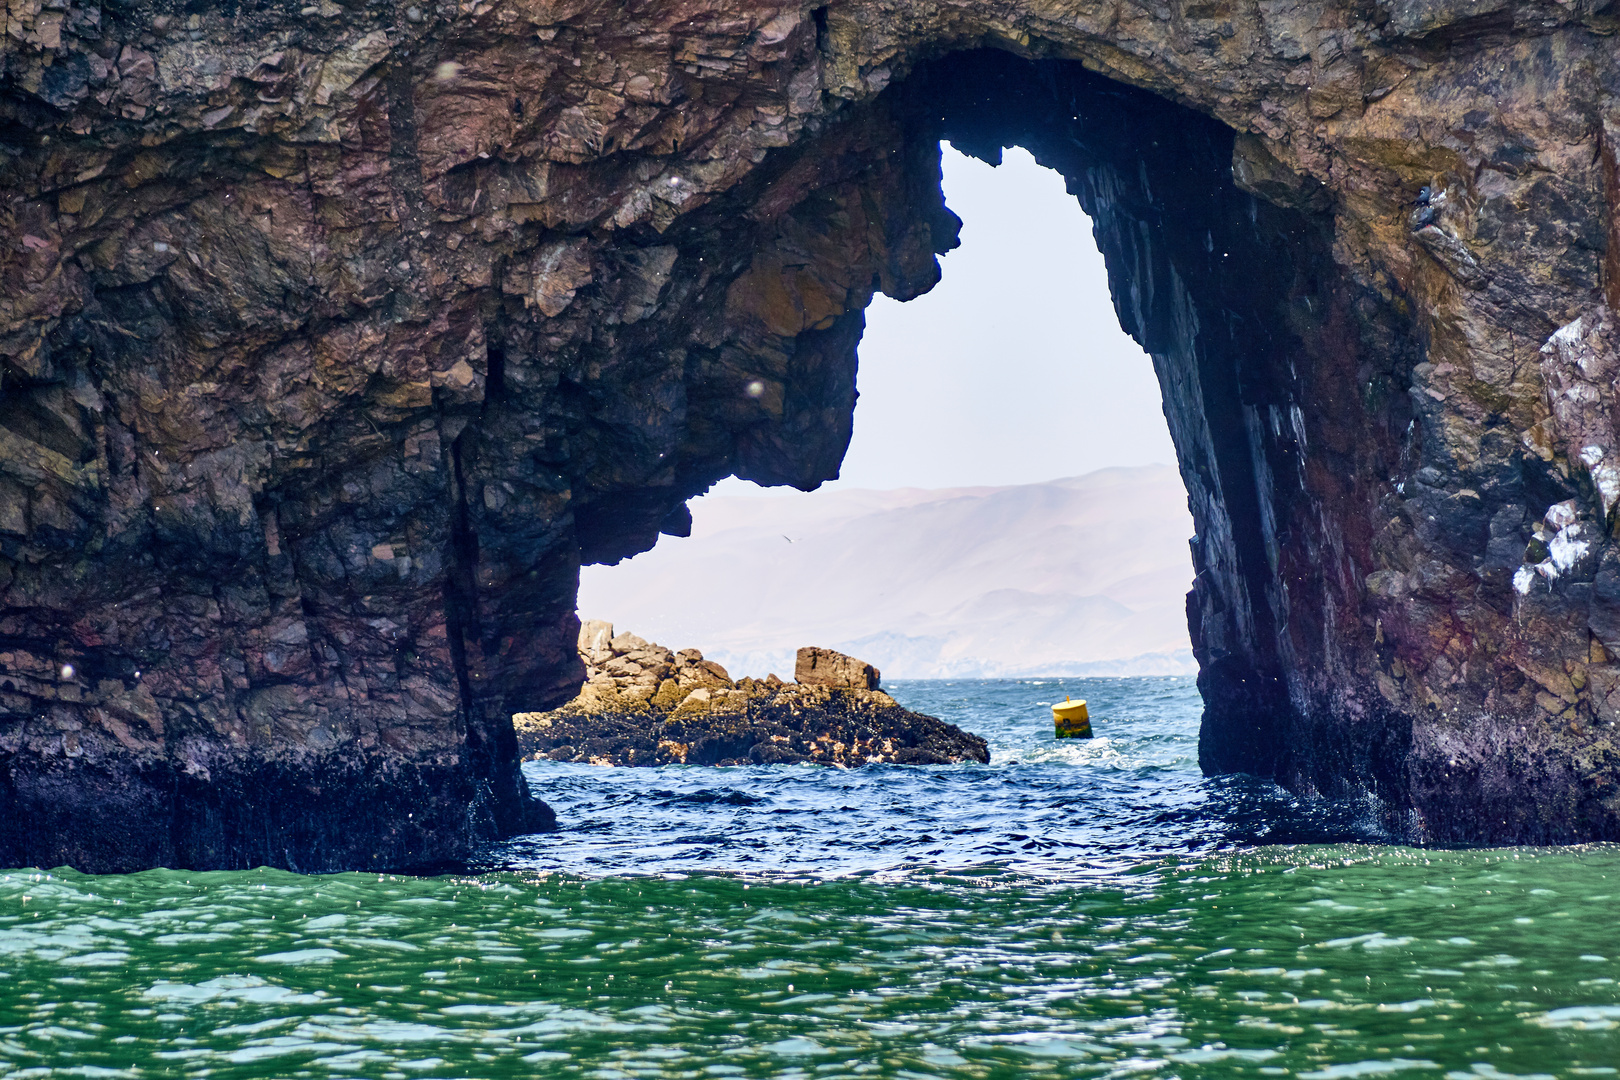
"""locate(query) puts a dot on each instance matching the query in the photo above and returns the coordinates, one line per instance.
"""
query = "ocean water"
(1075, 909)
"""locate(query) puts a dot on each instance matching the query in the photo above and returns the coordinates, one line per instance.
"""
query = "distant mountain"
(1082, 576)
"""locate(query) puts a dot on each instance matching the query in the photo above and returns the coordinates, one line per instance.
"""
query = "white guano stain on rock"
(1566, 550)
(1568, 334)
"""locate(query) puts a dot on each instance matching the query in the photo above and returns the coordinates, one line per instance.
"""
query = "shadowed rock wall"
(1250, 323)
(334, 338)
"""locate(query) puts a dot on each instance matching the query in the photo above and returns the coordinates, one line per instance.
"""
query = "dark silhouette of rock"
(644, 705)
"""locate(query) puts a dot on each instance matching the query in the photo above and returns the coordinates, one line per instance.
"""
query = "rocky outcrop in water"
(825, 667)
(334, 338)
(645, 705)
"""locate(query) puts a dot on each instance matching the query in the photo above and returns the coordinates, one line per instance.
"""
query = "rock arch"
(333, 343)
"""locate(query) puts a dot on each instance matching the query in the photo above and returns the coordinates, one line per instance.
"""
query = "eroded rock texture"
(335, 337)
(643, 704)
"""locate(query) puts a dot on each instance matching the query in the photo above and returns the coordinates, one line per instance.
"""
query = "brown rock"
(824, 667)
(595, 642)
(384, 323)
(707, 721)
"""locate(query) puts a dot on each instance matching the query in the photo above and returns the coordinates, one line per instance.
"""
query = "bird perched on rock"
(1424, 208)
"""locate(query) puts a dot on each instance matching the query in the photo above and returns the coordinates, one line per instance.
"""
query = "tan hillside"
(1086, 575)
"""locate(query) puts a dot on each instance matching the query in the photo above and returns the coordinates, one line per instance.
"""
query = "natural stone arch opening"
(1254, 335)
(1012, 379)
(325, 369)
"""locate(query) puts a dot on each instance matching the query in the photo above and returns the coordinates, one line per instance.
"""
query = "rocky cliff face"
(335, 337)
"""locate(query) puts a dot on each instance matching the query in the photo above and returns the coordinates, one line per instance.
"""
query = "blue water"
(1042, 805)
(1074, 909)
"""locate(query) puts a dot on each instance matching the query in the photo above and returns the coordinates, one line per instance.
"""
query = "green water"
(1312, 962)
(1075, 909)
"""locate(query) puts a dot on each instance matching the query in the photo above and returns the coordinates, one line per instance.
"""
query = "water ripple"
(1091, 915)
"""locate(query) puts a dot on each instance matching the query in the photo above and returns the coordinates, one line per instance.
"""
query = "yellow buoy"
(1070, 720)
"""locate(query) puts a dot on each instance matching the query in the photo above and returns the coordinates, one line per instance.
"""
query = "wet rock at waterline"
(645, 705)
(332, 344)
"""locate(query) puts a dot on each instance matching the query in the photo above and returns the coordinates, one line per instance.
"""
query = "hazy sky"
(1014, 368)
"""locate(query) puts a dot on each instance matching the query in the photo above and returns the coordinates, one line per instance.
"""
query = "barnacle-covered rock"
(710, 720)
